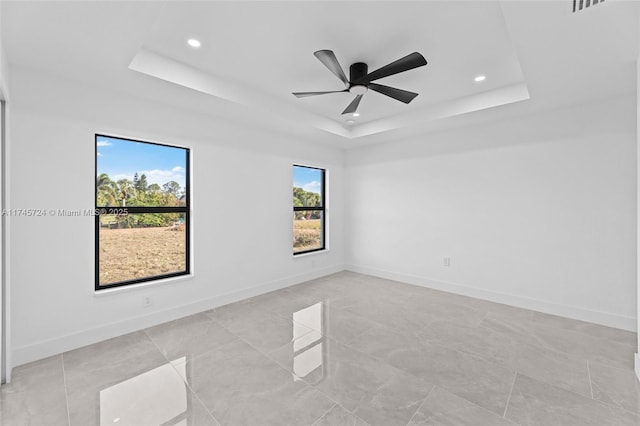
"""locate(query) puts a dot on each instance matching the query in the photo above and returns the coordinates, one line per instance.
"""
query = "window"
(142, 211)
(308, 209)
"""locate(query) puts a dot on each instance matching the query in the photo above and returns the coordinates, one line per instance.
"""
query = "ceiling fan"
(360, 80)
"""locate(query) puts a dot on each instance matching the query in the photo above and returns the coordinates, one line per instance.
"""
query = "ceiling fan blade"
(306, 94)
(353, 106)
(409, 62)
(399, 94)
(328, 58)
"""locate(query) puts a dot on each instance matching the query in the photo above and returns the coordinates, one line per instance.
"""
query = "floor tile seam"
(609, 340)
(66, 393)
(309, 385)
(619, 407)
(542, 328)
(315, 422)
(548, 347)
(585, 332)
(376, 322)
(246, 301)
(590, 381)
(421, 404)
(475, 405)
(385, 362)
(312, 385)
(356, 416)
(478, 357)
(395, 330)
(628, 368)
(173, 366)
(614, 405)
(311, 329)
(513, 384)
(217, 348)
(193, 392)
(595, 401)
(325, 334)
(471, 353)
(268, 355)
(127, 359)
(286, 318)
(155, 345)
(552, 350)
(357, 335)
(194, 357)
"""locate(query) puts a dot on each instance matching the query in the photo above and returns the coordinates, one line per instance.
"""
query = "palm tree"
(125, 191)
(106, 191)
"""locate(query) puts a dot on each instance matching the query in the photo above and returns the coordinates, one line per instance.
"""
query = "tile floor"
(347, 349)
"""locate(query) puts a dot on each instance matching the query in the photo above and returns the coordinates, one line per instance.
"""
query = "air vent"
(583, 4)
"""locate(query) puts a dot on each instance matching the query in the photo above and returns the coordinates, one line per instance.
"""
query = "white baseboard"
(573, 312)
(43, 349)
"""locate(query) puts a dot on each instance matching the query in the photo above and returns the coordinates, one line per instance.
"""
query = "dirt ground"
(306, 234)
(127, 254)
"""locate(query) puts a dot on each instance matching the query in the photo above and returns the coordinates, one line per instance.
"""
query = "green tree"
(106, 191)
(172, 188)
(302, 198)
(305, 198)
(141, 185)
(125, 191)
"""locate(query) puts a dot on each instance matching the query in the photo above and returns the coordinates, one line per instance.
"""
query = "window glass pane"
(131, 173)
(141, 245)
(307, 230)
(307, 187)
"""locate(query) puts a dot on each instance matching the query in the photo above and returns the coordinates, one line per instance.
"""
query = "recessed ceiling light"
(350, 122)
(356, 114)
(480, 78)
(194, 43)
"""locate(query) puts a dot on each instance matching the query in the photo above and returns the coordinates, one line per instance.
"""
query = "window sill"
(311, 253)
(143, 286)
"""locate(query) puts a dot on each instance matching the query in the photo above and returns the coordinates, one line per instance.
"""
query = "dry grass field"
(306, 234)
(127, 254)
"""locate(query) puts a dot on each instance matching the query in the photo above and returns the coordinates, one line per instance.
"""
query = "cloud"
(178, 169)
(157, 176)
(99, 155)
(103, 143)
(313, 186)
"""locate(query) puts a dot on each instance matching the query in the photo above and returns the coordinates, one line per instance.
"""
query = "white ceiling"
(254, 54)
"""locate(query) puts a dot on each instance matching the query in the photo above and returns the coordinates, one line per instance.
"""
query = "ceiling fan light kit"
(360, 80)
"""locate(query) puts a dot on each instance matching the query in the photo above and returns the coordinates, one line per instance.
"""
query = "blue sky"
(307, 179)
(121, 159)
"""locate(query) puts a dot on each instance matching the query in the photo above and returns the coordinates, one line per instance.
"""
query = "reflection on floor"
(347, 349)
(119, 403)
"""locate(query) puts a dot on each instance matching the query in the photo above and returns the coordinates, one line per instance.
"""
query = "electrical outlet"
(446, 261)
(146, 301)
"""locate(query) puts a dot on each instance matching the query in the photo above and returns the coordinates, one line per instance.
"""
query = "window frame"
(186, 209)
(322, 208)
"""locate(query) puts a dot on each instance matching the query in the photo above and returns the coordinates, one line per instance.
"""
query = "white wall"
(637, 356)
(5, 372)
(241, 196)
(538, 212)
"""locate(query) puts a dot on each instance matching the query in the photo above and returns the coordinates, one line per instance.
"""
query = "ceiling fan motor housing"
(357, 71)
